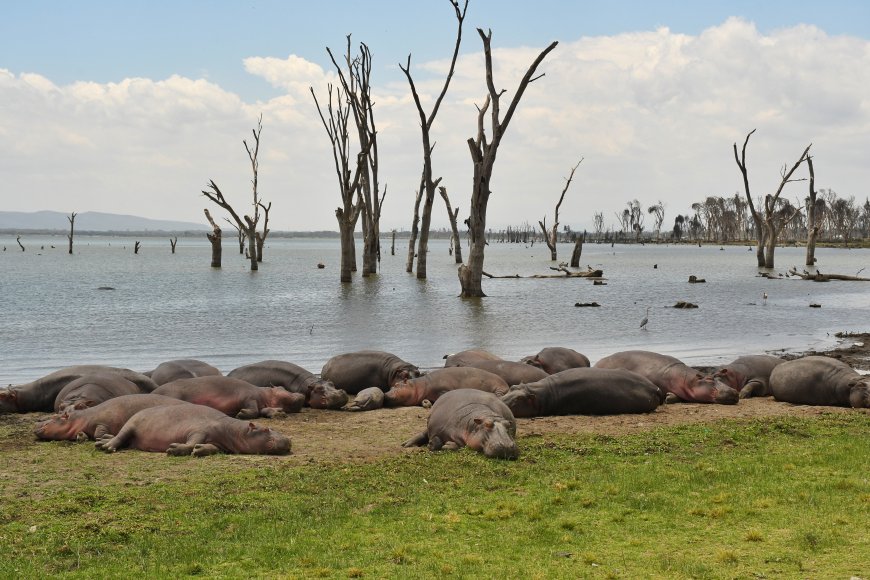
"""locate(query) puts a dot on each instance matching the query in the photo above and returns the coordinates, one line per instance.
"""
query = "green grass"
(773, 498)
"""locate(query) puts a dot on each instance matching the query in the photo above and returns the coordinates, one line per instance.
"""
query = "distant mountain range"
(91, 221)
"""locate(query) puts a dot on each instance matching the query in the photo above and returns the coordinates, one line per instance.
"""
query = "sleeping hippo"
(678, 381)
(93, 389)
(234, 397)
(355, 371)
(434, 384)
(319, 393)
(103, 419)
(820, 380)
(193, 430)
(366, 400)
(512, 372)
(585, 391)
(749, 375)
(39, 395)
(186, 368)
(555, 359)
(465, 357)
(472, 418)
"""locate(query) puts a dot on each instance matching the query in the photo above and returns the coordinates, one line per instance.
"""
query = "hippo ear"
(252, 427)
(478, 420)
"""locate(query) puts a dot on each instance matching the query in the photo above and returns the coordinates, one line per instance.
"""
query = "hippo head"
(532, 360)
(401, 395)
(262, 440)
(859, 393)
(55, 427)
(8, 401)
(287, 401)
(522, 401)
(324, 395)
(404, 373)
(719, 391)
(729, 377)
(495, 437)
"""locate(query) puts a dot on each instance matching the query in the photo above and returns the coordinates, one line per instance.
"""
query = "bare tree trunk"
(578, 250)
(483, 156)
(551, 238)
(452, 214)
(20, 245)
(215, 239)
(136, 247)
(415, 230)
(261, 237)
(172, 242)
(72, 221)
(393, 246)
(348, 254)
(812, 226)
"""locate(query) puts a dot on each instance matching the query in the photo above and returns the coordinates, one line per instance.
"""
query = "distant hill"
(91, 221)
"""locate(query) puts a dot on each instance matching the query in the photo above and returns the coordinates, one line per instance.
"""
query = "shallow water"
(167, 306)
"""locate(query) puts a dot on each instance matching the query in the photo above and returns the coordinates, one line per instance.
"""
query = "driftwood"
(566, 273)
(586, 304)
(694, 279)
(819, 277)
(682, 304)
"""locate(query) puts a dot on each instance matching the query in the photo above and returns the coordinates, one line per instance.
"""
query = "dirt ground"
(327, 436)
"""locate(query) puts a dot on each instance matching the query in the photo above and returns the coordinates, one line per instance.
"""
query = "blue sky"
(69, 65)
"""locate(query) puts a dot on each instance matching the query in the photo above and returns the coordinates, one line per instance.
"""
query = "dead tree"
(428, 185)
(812, 220)
(261, 237)
(335, 122)
(136, 245)
(452, 215)
(172, 242)
(248, 225)
(483, 156)
(20, 245)
(215, 239)
(415, 231)
(355, 79)
(550, 237)
(578, 250)
(240, 235)
(771, 223)
(72, 223)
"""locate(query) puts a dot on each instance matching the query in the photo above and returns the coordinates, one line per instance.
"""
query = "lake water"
(167, 306)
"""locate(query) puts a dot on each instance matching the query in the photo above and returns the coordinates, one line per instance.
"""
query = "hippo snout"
(500, 444)
(726, 395)
(279, 445)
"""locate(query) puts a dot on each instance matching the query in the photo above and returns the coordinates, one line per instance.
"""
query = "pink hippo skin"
(555, 359)
(466, 357)
(95, 422)
(355, 371)
(186, 368)
(319, 393)
(467, 417)
(585, 391)
(434, 384)
(234, 397)
(91, 390)
(820, 380)
(749, 375)
(194, 430)
(39, 395)
(678, 381)
(513, 373)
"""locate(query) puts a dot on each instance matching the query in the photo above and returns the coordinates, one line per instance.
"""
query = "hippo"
(193, 430)
(472, 418)
(585, 391)
(93, 389)
(820, 380)
(234, 396)
(463, 358)
(367, 400)
(513, 373)
(186, 368)
(355, 371)
(319, 393)
(554, 359)
(678, 381)
(39, 395)
(749, 375)
(106, 418)
(431, 386)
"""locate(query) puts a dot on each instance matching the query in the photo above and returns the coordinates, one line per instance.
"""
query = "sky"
(132, 107)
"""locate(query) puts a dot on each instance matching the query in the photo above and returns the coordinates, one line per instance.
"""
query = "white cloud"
(653, 113)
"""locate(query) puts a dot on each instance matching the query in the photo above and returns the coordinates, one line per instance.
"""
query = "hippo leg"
(672, 398)
(752, 389)
(248, 413)
(435, 444)
(179, 449)
(111, 444)
(81, 436)
(204, 449)
(99, 432)
(451, 446)
(418, 440)
(271, 413)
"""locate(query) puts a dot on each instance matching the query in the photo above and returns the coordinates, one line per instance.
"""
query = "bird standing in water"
(764, 297)
(645, 319)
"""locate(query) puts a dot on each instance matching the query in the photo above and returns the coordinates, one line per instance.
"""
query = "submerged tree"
(248, 224)
(658, 211)
(483, 156)
(72, 223)
(812, 221)
(769, 224)
(550, 236)
(428, 185)
(215, 239)
(452, 214)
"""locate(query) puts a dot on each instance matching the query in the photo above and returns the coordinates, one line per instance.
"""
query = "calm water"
(168, 306)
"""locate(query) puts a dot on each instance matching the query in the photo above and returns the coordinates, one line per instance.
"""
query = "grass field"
(780, 497)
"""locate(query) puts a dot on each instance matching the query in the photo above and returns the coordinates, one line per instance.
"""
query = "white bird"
(764, 297)
(645, 319)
